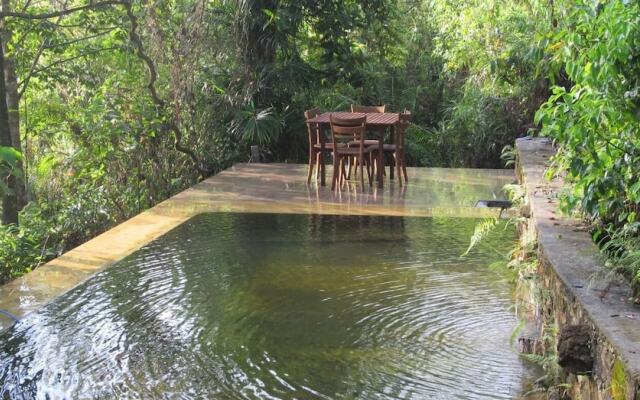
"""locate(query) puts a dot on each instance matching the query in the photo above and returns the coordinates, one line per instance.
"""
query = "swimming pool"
(281, 306)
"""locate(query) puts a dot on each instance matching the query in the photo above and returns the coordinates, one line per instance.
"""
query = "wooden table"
(375, 121)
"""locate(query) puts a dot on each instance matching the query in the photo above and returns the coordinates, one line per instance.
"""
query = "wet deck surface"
(263, 188)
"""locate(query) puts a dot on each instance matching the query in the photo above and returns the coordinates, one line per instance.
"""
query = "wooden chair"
(396, 150)
(368, 110)
(344, 133)
(317, 145)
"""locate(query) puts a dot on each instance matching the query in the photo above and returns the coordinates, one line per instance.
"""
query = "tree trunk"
(13, 103)
(257, 41)
(9, 200)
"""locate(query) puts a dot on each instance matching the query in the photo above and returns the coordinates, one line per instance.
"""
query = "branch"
(32, 70)
(44, 46)
(26, 5)
(151, 86)
(53, 64)
(101, 33)
(54, 14)
(135, 39)
(25, 82)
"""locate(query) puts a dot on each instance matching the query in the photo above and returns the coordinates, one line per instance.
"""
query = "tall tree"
(15, 198)
(13, 103)
(9, 200)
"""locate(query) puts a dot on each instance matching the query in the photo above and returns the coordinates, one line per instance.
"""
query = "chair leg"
(318, 163)
(322, 168)
(361, 163)
(349, 170)
(336, 170)
(404, 167)
(354, 161)
(343, 171)
(343, 178)
(369, 175)
(391, 167)
(397, 160)
(356, 164)
(312, 159)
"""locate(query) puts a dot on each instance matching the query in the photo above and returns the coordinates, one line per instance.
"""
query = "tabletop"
(385, 119)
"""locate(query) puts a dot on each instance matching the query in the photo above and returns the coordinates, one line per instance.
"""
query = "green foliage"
(256, 126)
(483, 79)
(477, 127)
(480, 232)
(508, 156)
(23, 247)
(104, 139)
(48, 228)
(618, 381)
(549, 360)
(19, 251)
(9, 159)
(516, 194)
(595, 121)
(595, 117)
(622, 249)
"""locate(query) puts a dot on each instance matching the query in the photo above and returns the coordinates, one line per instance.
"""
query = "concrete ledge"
(568, 262)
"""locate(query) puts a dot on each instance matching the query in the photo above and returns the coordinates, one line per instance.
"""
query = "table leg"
(322, 171)
(380, 160)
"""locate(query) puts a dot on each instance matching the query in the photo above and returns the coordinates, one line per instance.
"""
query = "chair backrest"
(345, 130)
(312, 129)
(404, 120)
(368, 109)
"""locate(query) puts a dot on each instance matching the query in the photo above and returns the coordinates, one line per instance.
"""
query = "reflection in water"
(280, 306)
(433, 188)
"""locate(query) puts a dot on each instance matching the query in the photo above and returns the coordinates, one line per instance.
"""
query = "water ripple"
(249, 306)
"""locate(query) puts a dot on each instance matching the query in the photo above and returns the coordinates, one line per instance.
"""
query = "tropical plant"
(116, 106)
(594, 117)
(9, 167)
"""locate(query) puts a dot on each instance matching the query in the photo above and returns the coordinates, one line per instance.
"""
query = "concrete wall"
(598, 339)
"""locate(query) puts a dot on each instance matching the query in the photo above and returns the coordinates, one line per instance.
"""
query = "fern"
(515, 193)
(508, 155)
(622, 258)
(481, 231)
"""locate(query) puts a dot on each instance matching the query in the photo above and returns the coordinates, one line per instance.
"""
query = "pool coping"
(270, 188)
(566, 246)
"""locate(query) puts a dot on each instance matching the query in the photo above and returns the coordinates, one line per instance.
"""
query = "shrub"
(595, 119)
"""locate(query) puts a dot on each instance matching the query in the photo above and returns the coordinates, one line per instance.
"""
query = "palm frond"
(260, 127)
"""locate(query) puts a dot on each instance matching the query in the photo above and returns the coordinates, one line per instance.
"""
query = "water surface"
(274, 306)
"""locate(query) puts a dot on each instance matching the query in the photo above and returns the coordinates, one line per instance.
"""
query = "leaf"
(481, 231)
(10, 156)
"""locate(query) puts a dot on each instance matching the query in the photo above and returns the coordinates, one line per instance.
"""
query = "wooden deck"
(264, 188)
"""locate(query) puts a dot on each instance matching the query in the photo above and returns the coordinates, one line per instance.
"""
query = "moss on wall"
(618, 381)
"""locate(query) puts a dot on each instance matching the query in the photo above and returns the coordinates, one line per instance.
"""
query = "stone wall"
(598, 339)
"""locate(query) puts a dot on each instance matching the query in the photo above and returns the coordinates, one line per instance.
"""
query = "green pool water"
(276, 306)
